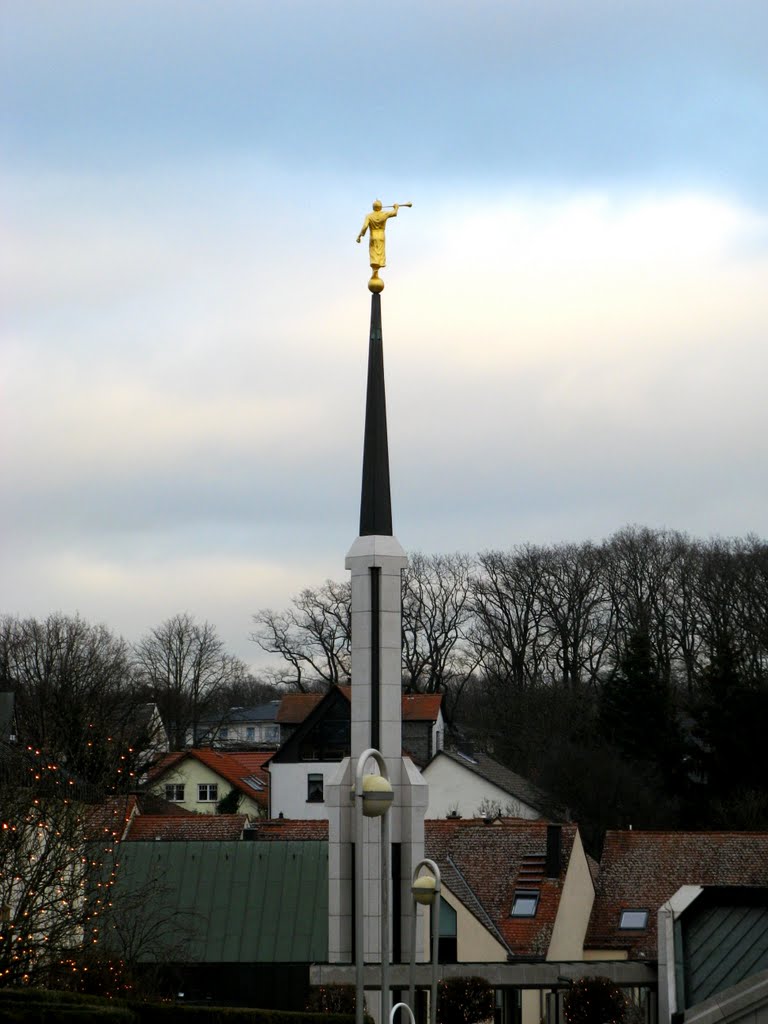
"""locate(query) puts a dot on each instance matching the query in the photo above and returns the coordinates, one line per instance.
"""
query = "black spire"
(375, 502)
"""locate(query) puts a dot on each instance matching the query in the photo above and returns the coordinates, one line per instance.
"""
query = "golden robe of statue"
(375, 223)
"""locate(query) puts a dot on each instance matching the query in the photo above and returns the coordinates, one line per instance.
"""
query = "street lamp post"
(401, 1006)
(426, 891)
(373, 798)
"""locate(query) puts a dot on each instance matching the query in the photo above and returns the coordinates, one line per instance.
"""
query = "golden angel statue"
(374, 224)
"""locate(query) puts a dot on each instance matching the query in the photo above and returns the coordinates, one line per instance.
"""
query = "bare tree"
(510, 635)
(436, 614)
(640, 575)
(313, 637)
(76, 695)
(184, 666)
(575, 602)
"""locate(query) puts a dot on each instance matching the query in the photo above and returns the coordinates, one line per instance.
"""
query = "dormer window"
(633, 920)
(525, 903)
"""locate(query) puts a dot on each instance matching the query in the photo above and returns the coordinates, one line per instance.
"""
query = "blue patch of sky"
(554, 92)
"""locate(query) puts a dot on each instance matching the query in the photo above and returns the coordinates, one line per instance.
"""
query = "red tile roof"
(110, 817)
(287, 829)
(190, 828)
(421, 707)
(642, 870)
(236, 769)
(484, 864)
(254, 761)
(149, 803)
(416, 707)
(294, 707)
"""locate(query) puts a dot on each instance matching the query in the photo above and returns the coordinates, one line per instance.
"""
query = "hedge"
(41, 1006)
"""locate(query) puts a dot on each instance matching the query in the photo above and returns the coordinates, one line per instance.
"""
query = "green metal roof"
(229, 902)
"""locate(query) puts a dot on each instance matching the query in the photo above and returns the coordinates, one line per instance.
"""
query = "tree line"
(82, 693)
(628, 677)
(83, 739)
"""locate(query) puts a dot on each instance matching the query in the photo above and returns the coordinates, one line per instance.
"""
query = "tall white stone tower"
(376, 561)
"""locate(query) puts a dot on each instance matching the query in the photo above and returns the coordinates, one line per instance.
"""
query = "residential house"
(654, 888)
(512, 889)
(317, 739)
(470, 784)
(240, 727)
(199, 779)
(640, 871)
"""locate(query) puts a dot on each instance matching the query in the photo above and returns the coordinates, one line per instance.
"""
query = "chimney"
(554, 851)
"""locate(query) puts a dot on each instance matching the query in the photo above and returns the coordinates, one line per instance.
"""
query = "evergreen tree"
(731, 724)
(637, 712)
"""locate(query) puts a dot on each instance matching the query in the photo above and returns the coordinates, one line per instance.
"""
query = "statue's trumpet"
(399, 204)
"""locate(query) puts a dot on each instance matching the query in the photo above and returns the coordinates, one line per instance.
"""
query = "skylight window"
(525, 903)
(467, 757)
(633, 919)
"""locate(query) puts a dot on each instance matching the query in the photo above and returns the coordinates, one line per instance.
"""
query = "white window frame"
(178, 790)
(211, 790)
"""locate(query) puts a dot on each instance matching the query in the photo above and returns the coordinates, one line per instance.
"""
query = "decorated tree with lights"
(57, 850)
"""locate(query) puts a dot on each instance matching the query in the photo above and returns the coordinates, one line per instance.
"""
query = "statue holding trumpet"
(374, 224)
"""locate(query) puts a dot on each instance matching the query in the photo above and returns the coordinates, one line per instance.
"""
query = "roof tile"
(494, 860)
(190, 828)
(237, 769)
(642, 870)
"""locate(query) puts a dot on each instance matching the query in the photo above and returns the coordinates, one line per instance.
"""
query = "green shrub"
(43, 1006)
(178, 1013)
(595, 1000)
(464, 1001)
(331, 999)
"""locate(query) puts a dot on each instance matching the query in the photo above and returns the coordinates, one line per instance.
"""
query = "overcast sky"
(575, 314)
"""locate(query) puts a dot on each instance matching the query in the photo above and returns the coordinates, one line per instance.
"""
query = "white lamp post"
(373, 798)
(401, 1006)
(426, 891)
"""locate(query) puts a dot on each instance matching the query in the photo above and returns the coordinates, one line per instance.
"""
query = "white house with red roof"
(199, 779)
(317, 731)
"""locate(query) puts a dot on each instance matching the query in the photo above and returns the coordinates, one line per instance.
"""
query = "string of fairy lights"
(58, 867)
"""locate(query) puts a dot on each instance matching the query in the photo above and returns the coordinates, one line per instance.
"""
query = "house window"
(174, 791)
(447, 952)
(250, 733)
(224, 733)
(328, 740)
(525, 903)
(633, 919)
(315, 789)
(207, 792)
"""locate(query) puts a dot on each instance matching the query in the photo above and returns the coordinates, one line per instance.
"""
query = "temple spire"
(375, 501)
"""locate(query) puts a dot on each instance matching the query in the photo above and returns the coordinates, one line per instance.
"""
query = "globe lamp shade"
(423, 890)
(377, 796)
